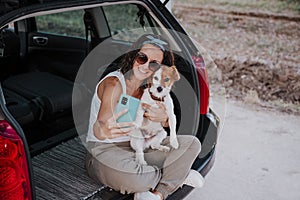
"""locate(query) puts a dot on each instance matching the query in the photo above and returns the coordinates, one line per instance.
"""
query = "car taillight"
(203, 83)
(14, 174)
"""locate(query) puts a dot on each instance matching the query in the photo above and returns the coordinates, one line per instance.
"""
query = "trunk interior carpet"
(60, 173)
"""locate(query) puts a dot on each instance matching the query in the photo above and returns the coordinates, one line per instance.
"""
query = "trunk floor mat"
(60, 173)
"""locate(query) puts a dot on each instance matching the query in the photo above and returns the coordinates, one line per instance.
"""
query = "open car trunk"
(60, 173)
(41, 67)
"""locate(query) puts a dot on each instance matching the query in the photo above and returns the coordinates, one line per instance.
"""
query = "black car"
(47, 79)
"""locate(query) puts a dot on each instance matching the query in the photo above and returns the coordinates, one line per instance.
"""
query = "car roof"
(10, 5)
(10, 9)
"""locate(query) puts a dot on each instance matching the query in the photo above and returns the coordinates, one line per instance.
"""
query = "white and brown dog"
(149, 133)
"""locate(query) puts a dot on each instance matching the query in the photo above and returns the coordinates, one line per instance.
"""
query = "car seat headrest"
(9, 43)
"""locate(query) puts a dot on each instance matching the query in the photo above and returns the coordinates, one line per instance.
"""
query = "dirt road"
(258, 69)
(258, 53)
(258, 155)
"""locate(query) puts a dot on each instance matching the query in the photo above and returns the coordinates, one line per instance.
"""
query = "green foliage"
(118, 15)
(65, 23)
(295, 4)
(121, 18)
(124, 22)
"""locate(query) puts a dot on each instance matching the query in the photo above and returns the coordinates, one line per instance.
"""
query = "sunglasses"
(142, 58)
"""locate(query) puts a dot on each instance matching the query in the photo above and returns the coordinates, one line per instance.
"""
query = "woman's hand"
(110, 129)
(156, 114)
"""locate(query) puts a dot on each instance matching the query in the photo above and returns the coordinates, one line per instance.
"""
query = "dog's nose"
(159, 89)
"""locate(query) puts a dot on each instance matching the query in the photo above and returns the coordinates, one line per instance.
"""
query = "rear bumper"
(204, 162)
(203, 169)
(209, 164)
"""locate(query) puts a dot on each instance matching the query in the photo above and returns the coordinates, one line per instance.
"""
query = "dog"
(149, 133)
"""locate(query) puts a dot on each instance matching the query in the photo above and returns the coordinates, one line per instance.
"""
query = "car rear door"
(56, 43)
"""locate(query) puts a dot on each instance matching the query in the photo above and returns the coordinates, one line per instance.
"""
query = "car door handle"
(39, 40)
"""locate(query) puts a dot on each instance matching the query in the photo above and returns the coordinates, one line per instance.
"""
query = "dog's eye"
(166, 79)
(156, 78)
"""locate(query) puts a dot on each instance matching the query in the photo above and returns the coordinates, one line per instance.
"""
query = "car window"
(125, 19)
(66, 23)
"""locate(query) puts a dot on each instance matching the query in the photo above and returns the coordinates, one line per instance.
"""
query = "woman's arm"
(106, 127)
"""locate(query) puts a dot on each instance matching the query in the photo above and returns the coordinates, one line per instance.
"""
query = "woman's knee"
(191, 143)
(139, 179)
(132, 182)
(142, 182)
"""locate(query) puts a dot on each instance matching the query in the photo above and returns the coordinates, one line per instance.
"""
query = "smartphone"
(131, 104)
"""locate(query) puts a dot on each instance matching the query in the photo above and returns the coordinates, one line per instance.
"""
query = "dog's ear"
(176, 75)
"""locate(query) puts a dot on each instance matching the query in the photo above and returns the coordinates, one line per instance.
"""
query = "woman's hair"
(127, 61)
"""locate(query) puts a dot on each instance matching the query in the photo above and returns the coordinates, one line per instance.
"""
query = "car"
(52, 54)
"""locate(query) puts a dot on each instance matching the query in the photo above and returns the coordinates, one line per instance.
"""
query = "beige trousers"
(114, 165)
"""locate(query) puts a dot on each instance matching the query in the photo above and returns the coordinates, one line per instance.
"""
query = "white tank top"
(95, 106)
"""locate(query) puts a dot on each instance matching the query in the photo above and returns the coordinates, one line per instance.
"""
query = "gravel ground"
(253, 59)
(258, 155)
(254, 55)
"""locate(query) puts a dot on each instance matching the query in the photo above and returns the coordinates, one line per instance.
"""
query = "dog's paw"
(141, 161)
(174, 143)
(160, 148)
(164, 148)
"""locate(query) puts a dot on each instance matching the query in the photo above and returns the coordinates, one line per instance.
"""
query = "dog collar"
(156, 98)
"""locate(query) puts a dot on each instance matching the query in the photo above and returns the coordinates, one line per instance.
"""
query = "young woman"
(110, 159)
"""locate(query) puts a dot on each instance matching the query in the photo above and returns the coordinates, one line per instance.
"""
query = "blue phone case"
(130, 103)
